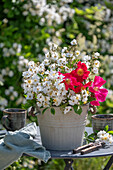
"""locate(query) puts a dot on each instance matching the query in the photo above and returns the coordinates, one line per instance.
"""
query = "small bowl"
(100, 121)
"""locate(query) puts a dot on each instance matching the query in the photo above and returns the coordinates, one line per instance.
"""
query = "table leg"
(68, 163)
(109, 163)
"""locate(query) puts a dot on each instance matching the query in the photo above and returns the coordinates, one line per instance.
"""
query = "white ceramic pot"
(62, 131)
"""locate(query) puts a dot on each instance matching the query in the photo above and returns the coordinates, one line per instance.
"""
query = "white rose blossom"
(67, 109)
(96, 55)
(96, 63)
(29, 96)
(69, 54)
(74, 99)
(77, 53)
(95, 70)
(86, 57)
(74, 42)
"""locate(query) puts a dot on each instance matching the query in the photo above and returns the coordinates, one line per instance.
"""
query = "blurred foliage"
(55, 164)
(27, 28)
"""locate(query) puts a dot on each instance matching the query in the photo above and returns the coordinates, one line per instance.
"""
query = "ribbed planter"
(60, 131)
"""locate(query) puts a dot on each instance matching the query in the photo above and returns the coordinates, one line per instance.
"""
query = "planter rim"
(14, 110)
(66, 106)
(107, 117)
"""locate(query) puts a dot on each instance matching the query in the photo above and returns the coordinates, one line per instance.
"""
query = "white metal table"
(68, 156)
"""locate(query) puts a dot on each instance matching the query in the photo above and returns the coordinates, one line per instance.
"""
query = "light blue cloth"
(16, 143)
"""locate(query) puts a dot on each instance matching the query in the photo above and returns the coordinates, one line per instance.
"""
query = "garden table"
(68, 156)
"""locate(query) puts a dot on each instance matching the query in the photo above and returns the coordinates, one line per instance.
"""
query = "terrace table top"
(106, 151)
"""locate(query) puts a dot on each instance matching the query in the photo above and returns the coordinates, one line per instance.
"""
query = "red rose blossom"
(81, 72)
(69, 81)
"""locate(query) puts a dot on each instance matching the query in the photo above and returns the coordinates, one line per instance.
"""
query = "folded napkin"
(20, 142)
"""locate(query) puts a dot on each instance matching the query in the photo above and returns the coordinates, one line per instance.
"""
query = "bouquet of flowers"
(66, 79)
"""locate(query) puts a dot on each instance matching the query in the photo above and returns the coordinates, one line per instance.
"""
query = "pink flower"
(100, 93)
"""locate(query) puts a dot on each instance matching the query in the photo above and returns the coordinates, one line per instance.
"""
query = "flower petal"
(88, 84)
(91, 89)
(95, 103)
(84, 67)
(101, 97)
(98, 81)
(105, 91)
(79, 64)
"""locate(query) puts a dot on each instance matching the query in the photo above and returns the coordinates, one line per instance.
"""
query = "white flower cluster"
(22, 63)
(92, 62)
(46, 88)
(105, 137)
(96, 30)
(7, 52)
(43, 83)
(5, 20)
(11, 92)
(5, 72)
(54, 13)
(3, 103)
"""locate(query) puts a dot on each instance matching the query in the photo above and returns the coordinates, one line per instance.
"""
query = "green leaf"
(91, 99)
(110, 132)
(91, 138)
(86, 134)
(106, 128)
(29, 103)
(44, 110)
(79, 12)
(39, 75)
(109, 103)
(89, 17)
(91, 135)
(53, 111)
(89, 10)
(64, 105)
(77, 109)
(96, 131)
(71, 35)
(109, 5)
